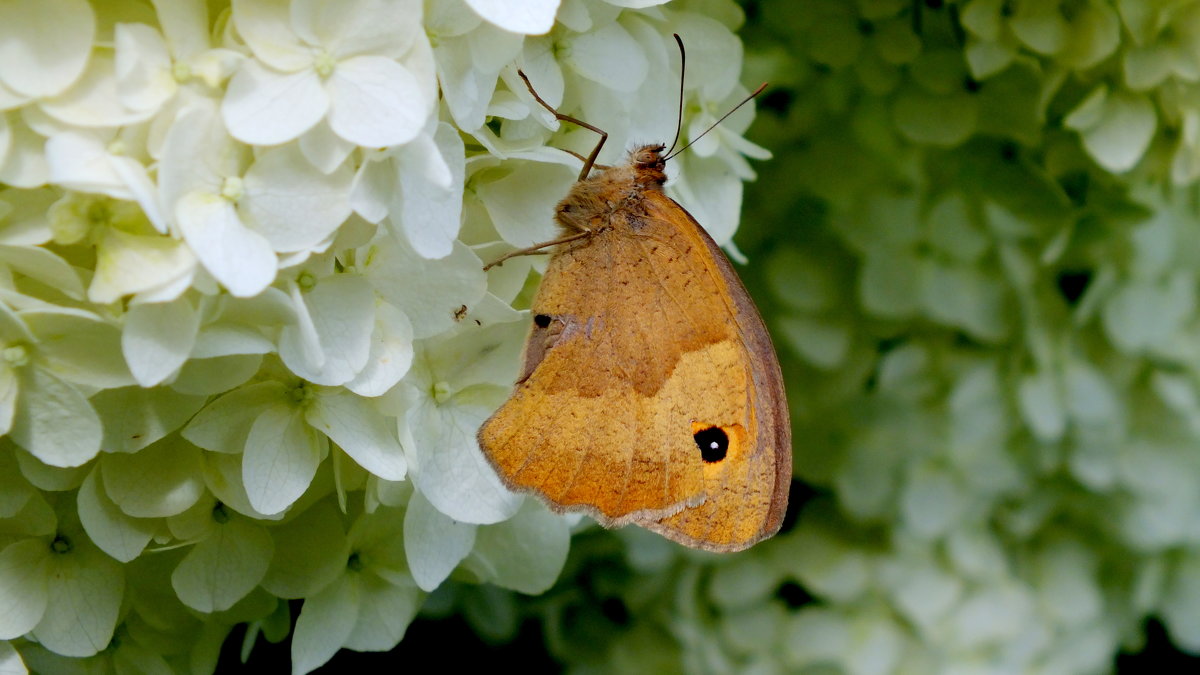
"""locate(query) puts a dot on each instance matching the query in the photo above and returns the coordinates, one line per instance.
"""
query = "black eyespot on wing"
(542, 320)
(713, 444)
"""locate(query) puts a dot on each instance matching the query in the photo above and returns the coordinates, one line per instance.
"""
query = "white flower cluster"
(987, 298)
(246, 335)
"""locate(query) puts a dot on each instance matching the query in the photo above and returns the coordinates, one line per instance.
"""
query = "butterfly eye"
(712, 442)
(542, 320)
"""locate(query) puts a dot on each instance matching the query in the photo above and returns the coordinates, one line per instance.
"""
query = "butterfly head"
(649, 164)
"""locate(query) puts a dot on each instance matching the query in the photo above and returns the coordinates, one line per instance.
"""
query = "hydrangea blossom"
(245, 330)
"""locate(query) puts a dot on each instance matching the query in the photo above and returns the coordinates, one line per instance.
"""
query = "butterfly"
(650, 393)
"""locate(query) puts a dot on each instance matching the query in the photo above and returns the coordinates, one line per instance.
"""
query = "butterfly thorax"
(590, 204)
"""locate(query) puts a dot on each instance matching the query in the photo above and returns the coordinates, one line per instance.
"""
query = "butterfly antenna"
(682, 73)
(732, 110)
(590, 161)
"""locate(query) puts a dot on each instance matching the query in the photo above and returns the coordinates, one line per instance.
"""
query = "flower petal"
(429, 209)
(85, 595)
(127, 264)
(376, 102)
(266, 26)
(525, 553)
(520, 203)
(386, 611)
(79, 347)
(280, 459)
(342, 310)
(299, 569)
(224, 424)
(158, 339)
(359, 429)
(428, 292)
(24, 570)
(391, 353)
(267, 107)
(54, 421)
(143, 67)
(224, 566)
(241, 259)
(116, 533)
(93, 100)
(135, 417)
(450, 469)
(162, 480)
(434, 542)
(292, 204)
(609, 56)
(351, 27)
(531, 17)
(325, 622)
(44, 46)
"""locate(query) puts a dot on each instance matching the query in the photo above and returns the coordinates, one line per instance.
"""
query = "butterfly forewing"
(648, 381)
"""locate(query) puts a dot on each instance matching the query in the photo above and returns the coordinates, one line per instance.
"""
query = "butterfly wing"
(645, 347)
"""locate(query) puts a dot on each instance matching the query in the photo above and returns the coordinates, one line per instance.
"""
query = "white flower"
(236, 215)
(44, 46)
(312, 64)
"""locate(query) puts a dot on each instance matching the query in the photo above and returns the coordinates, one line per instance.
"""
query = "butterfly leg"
(536, 248)
(590, 161)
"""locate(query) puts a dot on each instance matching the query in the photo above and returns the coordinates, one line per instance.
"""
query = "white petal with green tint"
(451, 470)
(79, 347)
(280, 459)
(433, 542)
(427, 291)
(116, 533)
(10, 660)
(54, 421)
(385, 611)
(1089, 396)
(45, 46)
(376, 102)
(268, 30)
(429, 211)
(533, 17)
(609, 56)
(24, 574)
(292, 204)
(1116, 127)
(158, 338)
(9, 388)
(15, 490)
(391, 352)
(361, 430)
(224, 424)
(223, 567)
(341, 309)
(1040, 402)
(240, 258)
(161, 480)
(135, 417)
(525, 553)
(266, 107)
(127, 264)
(518, 202)
(43, 265)
(325, 621)
(310, 552)
(85, 589)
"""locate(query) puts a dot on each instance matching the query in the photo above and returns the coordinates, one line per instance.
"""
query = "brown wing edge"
(768, 381)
